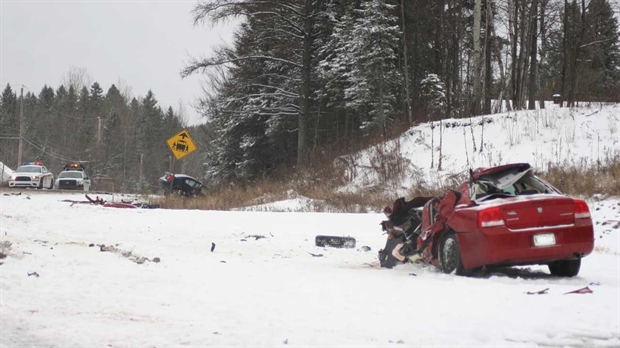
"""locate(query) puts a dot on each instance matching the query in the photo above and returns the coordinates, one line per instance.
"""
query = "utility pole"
(98, 134)
(141, 159)
(21, 128)
(98, 140)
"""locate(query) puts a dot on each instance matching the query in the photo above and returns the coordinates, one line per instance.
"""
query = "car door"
(47, 178)
(86, 183)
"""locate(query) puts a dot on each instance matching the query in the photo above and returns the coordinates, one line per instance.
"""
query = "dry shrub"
(229, 196)
(322, 180)
(586, 179)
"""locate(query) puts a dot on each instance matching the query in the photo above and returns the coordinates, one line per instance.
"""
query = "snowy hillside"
(581, 136)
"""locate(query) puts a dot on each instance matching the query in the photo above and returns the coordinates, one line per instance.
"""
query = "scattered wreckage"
(502, 216)
(122, 204)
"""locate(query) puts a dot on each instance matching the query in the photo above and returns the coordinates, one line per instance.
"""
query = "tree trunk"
(543, 49)
(576, 54)
(406, 66)
(502, 74)
(477, 64)
(487, 58)
(381, 108)
(534, 41)
(302, 151)
(513, 54)
(566, 55)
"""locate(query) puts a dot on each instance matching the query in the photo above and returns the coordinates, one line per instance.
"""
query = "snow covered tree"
(9, 125)
(601, 67)
(434, 96)
(283, 34)
(374, 80)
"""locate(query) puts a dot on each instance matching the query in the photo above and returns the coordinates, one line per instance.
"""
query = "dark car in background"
(181, 184)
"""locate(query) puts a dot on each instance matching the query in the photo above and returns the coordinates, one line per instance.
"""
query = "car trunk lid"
(538, 212)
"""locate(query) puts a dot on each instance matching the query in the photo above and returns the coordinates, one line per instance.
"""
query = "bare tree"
(76, 77)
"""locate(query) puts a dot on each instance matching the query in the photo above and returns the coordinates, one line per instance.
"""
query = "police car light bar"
(36, 163)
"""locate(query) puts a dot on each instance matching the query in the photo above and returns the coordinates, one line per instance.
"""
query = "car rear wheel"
(565, 268)
(450, 256)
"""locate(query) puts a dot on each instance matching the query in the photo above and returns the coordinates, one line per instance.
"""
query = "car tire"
(450, 256)
(565, 268)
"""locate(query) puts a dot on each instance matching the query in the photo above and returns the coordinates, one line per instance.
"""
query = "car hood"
(27, 174)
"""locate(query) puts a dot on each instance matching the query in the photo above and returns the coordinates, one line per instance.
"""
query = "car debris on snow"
(585, 290)
(335, 241)
(541, 292)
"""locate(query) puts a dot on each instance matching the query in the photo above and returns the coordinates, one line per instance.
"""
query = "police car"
(32, 174)
(73, 177)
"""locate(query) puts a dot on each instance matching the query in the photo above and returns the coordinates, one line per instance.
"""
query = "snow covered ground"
(56, 290)
(89, 276)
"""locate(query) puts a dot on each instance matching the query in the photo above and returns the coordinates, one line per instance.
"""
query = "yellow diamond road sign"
(181, 144)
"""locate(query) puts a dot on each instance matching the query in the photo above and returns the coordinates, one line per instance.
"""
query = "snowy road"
(271, 291)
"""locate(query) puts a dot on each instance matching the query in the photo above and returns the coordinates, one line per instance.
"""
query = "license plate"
(544, 239)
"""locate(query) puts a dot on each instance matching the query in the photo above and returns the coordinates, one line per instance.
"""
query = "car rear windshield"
(28, 169)
(77, 175)
(507, 184)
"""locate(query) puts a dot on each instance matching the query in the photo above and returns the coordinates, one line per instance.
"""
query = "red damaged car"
(502, 216)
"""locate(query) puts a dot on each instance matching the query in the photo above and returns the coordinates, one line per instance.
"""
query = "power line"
(47, 153)
(60, 112)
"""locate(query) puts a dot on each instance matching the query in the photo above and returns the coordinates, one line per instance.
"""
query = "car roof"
(184, 176)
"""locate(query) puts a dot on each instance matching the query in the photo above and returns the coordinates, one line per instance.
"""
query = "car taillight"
(169, 178)
(490, 217)
(581, 209)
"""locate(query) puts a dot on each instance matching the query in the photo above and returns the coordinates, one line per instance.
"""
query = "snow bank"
(5, 173)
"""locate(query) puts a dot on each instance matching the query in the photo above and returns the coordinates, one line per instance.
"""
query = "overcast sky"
(142, 43)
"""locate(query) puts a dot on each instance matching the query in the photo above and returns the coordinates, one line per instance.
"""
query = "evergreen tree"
(9, 125)
(374, 80)
(601, 51)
